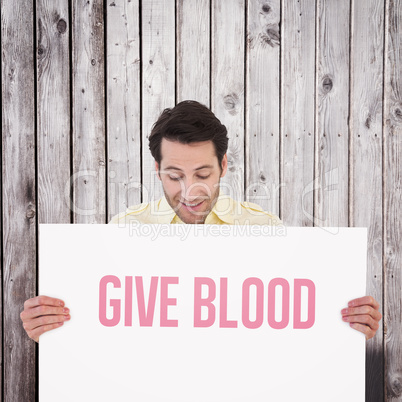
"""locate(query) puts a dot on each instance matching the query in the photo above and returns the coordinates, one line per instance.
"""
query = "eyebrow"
(199, 168)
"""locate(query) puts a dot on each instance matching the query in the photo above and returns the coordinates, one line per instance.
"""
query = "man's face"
(190, 175)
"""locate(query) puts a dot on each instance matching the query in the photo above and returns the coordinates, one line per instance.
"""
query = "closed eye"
(175, 178)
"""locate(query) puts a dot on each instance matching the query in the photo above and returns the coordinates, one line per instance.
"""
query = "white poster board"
(202, 313)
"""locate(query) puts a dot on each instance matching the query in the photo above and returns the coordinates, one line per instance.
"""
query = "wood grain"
(88, 179)
(158, 80)
(19, 196)
(53, 95)
(366, 160)
(280, 79)
(123, 105)
(393, 201)
(297, 112)
(263, 103)
(332, 113)
(193, 51)
(227, 86)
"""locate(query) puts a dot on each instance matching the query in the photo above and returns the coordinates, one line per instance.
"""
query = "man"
(189, 146)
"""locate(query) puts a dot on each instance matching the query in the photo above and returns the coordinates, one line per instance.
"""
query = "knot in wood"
(62, 26)
(231, 164)
(397, 112)
(396, 386)
(112, 4)
(327, 84)
(11, 76)
(275, 36)
(262, 177)
(30, 212)
(272, 36)
(41, 50)
(368, 121)
(230, 101)
(266, 8)
(93, 62)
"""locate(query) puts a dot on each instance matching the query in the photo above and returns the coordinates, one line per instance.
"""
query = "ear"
(157, 170)
(224, 165)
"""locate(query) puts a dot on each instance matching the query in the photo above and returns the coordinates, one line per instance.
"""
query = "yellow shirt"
(226, 211)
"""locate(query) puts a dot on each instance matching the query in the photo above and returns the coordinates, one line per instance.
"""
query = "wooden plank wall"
(19, 195)
(310, 90)
(392, 184)
(366, 149)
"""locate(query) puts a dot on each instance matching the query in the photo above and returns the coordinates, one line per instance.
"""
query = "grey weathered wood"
(263, 104)
(19, 196)
(227, 86)
(158, 79)
(123, 105)
(393, 201)
(88, 180)
(297, 112)
(366, 160)
(332, 113)
(374, 148)
(53, 110)
(193, 51)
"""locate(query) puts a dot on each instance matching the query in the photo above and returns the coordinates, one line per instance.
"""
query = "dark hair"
(189, 121)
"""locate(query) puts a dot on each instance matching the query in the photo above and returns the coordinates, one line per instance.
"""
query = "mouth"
(191, 205)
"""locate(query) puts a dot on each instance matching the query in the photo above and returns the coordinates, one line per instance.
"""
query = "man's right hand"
(42, 314)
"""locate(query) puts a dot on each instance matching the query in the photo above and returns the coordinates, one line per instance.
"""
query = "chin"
(192, 219)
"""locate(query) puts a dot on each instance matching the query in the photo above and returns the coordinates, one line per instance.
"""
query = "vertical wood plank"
(297, 112)
(227, 86)
(263, 103)
(19, 195)
(123, 105)
(332, 113)
(366, 160)
(88, 180)
(53, 95)
(393, 200)
(158, 84)
(193, 51)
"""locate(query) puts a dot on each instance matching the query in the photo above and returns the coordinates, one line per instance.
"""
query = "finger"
(363, 328)
(42, 310)
(363, 319)
(366, 300)
(362, 310)
(43, 300)
(44, 320)
(37, 332)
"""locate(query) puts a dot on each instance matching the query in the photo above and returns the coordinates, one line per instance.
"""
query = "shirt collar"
(223, 210)
(161, 211)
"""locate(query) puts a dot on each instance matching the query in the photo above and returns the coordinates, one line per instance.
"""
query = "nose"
(193, 190)
(188, 190)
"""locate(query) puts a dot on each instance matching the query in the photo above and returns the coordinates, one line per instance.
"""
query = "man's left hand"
(362, 314)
